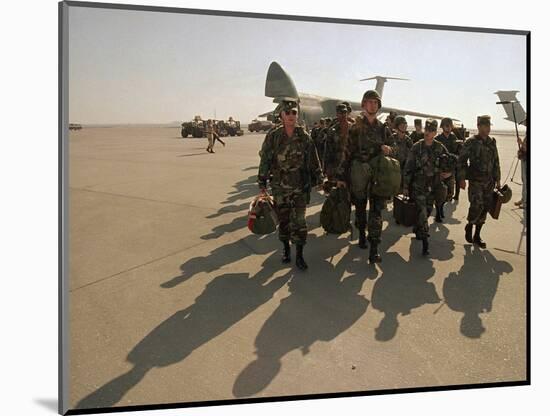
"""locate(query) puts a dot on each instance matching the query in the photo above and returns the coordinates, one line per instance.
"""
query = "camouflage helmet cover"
(400, 120)
(370, 95)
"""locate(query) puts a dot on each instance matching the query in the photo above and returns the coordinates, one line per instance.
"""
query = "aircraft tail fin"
(278, 83)
(380, 81)
(507, 100)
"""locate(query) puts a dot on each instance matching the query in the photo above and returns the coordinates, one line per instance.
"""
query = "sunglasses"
(289, 112)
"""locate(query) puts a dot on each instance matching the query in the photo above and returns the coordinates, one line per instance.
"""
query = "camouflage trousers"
(425, 196)
(480, 195)
(450, 182)
(374, 224)
(291, 210)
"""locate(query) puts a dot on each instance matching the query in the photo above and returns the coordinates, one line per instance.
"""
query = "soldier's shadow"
(449, 209)
(441, 247)
(226, 300)
(471, 291)
(399, 290)
(322, 305)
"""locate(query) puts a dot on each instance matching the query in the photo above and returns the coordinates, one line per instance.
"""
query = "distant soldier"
(390, 121)
(350, 117)
(402, 141)
(451, 142)
(315, 135)
(368, 138)
(482, 173)
(424, 179)
(211, 135)
(288, 159)
(336, 146)
(417, 134)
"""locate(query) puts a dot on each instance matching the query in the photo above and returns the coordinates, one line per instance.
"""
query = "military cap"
(417, 122)
(342, 108)
(372, 95)
(485, 119)
(446, 121)
(400, 120)
(430, 125)
(348, 105)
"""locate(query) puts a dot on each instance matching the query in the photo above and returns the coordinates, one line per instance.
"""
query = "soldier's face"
(429, 134)
(484, 129)
(447, 129)
(402, 128)
(370, 106)
(289, 117)
(418, 128)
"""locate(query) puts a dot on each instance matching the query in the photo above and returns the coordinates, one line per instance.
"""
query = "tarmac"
(173, 300)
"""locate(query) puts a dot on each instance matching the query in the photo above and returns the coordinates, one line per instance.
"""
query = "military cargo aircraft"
(279, 85)
(514, 109)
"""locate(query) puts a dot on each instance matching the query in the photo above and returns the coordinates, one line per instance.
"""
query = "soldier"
(390, 120)
(424, 179)
(449, 139)
(482, 173)
(336, 146)
(368, 138)
(289, 160)
(318, 136)
(417, 134)
(211, 135)
(402, 141)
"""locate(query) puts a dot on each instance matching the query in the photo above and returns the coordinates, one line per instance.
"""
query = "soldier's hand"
(462, 184)
(386, 150)
(498, 184)
(263, 191)
(445, 175)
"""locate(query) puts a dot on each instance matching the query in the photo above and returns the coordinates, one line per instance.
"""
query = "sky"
(153, 67)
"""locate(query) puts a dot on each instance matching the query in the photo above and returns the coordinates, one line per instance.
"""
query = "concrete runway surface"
(173, 300)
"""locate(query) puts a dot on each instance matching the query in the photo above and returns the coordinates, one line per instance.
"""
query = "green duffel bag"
(361, 175)
(386, 176)
(336, 212)
(262, 217)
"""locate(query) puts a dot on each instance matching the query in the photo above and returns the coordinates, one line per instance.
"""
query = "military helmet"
(506, 194)
(430, 125)
(372, 95)
(348, 105)
(400, 120)
(446, 121)
(341, 108)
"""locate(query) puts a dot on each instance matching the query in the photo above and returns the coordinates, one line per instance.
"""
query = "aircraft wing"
(515, 111)
(402, 112)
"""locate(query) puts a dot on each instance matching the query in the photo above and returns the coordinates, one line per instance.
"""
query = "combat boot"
(286, 252)
(425, 247)
(374, 256)
(477, 237)
(468, 235)
(300, 262)
(362, 239)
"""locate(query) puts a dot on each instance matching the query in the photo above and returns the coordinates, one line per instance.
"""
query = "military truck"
(195, 128)
(233, 127)
(260, 125)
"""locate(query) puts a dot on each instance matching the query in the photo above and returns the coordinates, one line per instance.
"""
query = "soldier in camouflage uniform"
(368, 138)
(290, 162)
(211, 135)
(482, 173)
(417, 134)
(336, 146)
(424, 179)
(348, 105)
(317, 137)
(403, 143)
(449, 139)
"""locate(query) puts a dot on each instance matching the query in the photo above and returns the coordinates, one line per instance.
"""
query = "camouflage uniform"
(365, 143)
(292, 165)
(415, 136)
(452, 145)
(482, 173)
(403, 146)
(422, 179)
(335, 151)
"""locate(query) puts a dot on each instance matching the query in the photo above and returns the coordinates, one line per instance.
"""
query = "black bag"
(404, 210)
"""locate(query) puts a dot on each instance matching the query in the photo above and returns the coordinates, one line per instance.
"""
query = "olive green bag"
(361, 175)
(336, 212)
(386, 176)
(262, 217)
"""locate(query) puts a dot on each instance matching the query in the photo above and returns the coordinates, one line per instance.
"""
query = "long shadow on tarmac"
(226, 300)
(321, 305)
(471, 291)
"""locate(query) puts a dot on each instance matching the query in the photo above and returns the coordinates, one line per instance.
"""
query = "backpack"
(386, 178)
(336, 212)
(262, 218)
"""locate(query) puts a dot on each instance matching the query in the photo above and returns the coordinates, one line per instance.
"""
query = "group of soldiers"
(339, 152)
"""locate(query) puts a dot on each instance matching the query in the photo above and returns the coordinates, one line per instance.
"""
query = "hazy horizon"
(135, 67)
